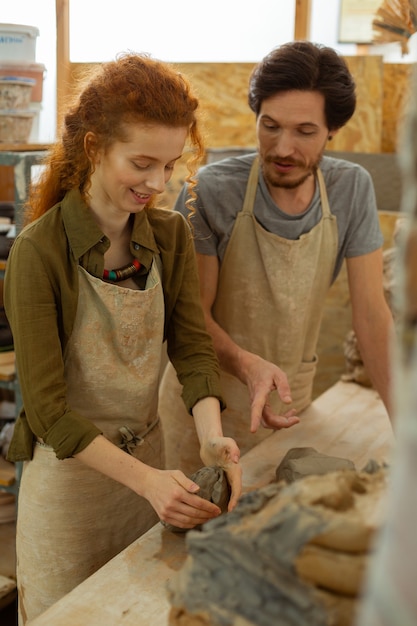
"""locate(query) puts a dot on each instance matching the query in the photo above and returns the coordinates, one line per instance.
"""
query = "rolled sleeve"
(70, 435)
(201, 387)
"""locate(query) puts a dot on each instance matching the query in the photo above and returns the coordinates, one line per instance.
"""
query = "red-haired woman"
(95, 283)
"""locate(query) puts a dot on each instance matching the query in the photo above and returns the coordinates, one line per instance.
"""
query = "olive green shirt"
(41, 295)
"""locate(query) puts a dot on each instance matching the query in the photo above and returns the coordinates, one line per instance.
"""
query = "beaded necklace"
(122, 273)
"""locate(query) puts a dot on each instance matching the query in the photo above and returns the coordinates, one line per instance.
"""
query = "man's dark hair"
(306, 66)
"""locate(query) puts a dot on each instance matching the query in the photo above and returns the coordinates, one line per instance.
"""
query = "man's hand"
(261, 378)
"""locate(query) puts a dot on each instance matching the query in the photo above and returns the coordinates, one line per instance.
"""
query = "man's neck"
(294, 201)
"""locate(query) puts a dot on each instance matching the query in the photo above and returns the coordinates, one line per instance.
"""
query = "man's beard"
(280, 180)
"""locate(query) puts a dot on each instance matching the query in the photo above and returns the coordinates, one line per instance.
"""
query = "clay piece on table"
(292, 555)
(300, 462)
(214, 487)
(355, 368)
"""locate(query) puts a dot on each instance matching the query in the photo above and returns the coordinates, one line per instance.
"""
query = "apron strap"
(323, 195)
(251, 187)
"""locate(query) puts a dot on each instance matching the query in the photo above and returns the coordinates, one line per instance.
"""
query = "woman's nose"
(156, 180)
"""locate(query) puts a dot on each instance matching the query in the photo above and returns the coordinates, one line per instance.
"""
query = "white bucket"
(18, 42)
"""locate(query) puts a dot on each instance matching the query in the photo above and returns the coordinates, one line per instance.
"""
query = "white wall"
(181, 30)
(227, 31)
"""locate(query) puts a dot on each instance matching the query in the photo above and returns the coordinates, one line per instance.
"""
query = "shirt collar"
(84, 233)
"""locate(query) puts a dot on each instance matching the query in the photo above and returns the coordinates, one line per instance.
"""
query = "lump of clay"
(287, 554)
(355, 368)
(214, 487)
(300, 462)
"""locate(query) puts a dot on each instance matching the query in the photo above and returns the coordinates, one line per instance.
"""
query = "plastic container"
(15, 93)
(15, 126)
(35, 71)
(18, 42)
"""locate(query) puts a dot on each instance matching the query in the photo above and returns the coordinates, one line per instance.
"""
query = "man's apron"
(270, 301)
(71, 518)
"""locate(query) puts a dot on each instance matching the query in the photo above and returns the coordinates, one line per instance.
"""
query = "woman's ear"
(90, 147)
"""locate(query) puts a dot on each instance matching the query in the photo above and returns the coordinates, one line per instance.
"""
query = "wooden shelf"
(23, 147)
(7, 473)
(7, 365)
(21, 157)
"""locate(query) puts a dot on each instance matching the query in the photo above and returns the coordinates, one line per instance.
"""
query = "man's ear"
(332, 133)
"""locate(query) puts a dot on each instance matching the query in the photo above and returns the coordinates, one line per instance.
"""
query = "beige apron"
(278, 288)
(73, 519)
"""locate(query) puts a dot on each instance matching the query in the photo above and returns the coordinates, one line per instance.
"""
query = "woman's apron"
(270, 301)
(73, 519)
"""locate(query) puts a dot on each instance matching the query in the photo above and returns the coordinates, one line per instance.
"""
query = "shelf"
(23, 147)
(21, 157)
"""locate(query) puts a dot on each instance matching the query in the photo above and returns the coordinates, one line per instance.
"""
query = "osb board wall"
(396, 80)
(363, 132)
(381, 94)
(222, 88)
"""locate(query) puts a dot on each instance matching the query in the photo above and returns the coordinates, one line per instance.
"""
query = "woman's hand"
(175, 499)
(172, 495)
(223, 452)
(214, 448)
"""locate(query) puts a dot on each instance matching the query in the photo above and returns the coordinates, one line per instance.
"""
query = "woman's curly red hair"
(134, 88)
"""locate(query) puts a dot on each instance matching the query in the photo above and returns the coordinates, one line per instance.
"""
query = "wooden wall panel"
(222, 88)
(396, 81)
(363, 133)
(228, 122)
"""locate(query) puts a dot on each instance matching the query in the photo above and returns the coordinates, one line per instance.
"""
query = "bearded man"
(271, 231)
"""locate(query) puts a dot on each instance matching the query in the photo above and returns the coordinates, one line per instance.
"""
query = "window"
(182, 31)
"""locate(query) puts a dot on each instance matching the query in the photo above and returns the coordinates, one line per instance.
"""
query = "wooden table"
(347, 420)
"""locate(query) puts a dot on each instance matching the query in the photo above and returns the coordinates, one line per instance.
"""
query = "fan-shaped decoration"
(395, 21)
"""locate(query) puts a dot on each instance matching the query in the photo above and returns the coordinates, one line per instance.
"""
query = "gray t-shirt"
(221, 191)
